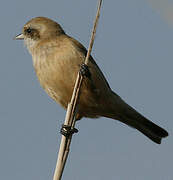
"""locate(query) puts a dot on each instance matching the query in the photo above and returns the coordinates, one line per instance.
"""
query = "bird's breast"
(56, 73)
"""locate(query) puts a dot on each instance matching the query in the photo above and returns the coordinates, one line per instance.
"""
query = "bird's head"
(38, 29)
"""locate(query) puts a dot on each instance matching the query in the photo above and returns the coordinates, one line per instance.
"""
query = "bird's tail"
(131, 117)
(148, 128)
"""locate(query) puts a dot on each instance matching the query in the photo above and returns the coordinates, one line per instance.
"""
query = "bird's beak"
(19, 37)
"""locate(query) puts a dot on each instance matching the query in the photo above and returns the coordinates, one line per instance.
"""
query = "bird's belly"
(58, 79)
(56, 82)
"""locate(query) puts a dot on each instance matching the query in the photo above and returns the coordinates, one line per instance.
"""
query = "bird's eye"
(29, 30)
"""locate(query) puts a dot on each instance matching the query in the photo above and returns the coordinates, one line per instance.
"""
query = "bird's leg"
(67, 130)
(84, 70)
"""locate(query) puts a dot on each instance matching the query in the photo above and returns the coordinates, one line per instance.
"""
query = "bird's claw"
(67, 130)
(84, 70)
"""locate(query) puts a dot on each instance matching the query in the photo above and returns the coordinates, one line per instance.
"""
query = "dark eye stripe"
(29, 30)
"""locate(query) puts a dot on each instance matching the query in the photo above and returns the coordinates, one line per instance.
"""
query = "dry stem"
(72, 108)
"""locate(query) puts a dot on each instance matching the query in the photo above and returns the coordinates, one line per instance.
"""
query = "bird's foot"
(84, 71)
(67, 130)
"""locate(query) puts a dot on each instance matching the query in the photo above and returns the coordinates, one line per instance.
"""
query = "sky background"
(134, 49)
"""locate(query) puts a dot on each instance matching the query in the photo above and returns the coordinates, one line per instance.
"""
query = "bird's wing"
(92, 63)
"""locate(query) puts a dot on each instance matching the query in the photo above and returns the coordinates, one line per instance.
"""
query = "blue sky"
(133, 47)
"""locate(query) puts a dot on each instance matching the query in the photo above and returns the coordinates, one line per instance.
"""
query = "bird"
(57, 59)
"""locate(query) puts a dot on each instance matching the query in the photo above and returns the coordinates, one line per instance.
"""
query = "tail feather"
(148, 128)
(150, 133)
(131, 117)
